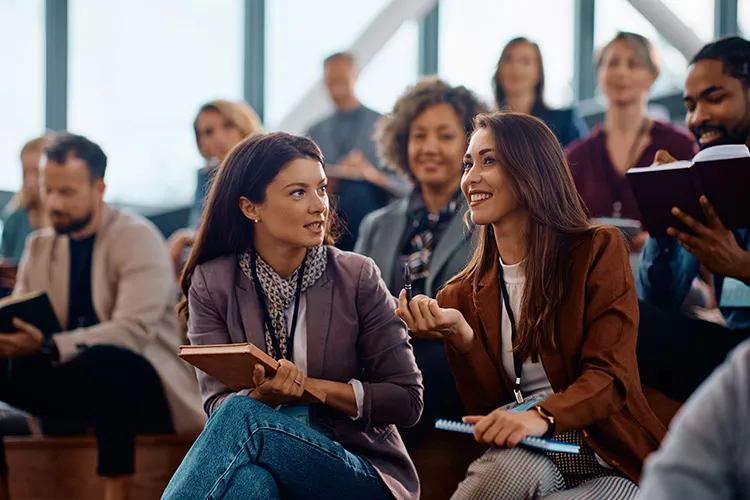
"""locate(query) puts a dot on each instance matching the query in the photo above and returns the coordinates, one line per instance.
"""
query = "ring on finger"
(298, 382)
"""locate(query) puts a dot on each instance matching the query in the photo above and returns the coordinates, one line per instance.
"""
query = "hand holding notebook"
(532, 442)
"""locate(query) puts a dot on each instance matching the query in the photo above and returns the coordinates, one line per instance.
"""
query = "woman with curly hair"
(424, 137)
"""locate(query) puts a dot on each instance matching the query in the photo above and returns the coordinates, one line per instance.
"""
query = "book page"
(722, 152)
(657, 168)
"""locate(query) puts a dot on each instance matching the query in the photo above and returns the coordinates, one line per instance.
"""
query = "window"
(139, 71)
(743, 17)
(473, 33)
(612, 16)
(21, 85)
(327, 26)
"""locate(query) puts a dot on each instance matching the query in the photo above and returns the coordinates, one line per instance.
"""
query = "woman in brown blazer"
(545, 314)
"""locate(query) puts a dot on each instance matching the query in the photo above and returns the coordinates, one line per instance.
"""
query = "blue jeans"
(248, 450)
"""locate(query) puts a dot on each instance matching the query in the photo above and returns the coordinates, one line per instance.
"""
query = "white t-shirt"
(533, 377)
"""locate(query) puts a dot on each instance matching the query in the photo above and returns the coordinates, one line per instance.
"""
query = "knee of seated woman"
(516, 467)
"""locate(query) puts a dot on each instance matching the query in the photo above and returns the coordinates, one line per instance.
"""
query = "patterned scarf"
(425, 227)
(279, 292)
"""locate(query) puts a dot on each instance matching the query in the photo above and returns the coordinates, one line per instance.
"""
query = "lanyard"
(517, 361)
(267, 317)
(616, 185)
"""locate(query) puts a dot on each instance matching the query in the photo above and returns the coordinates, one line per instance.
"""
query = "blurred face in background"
(436, 147)
(340, 77)
(216, 135)
(30, 161)
(718, 106)
(70, 196)
(518, 72)
(624, 77)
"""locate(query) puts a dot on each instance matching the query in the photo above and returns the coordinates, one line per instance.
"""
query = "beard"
(72, 225)
(739, 135)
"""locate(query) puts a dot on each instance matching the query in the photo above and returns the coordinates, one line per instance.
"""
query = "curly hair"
(392, 131)
(733, 52)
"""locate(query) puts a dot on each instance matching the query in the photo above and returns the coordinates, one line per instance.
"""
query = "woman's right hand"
(287, 384)
(176, 246)
(424, 316)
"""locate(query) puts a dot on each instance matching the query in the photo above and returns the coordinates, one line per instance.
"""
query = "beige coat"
(133, 295)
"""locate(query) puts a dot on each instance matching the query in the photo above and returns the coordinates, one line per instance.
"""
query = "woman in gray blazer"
(424, 137)
(262, 271)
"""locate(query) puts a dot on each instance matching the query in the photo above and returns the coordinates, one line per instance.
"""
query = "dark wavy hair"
(247, 171)
(733, 52)
(392, 132)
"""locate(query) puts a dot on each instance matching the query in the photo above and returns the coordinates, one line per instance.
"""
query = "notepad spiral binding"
(536, 443)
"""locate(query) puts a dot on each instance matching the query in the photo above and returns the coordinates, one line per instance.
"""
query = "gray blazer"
(381, 235)
(352, 333)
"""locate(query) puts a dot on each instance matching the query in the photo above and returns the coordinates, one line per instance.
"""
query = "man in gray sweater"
(706, 455)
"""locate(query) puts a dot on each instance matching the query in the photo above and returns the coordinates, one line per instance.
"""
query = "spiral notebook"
(535, 443)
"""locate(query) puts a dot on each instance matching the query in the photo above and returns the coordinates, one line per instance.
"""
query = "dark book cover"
(724, 180)
(33, 308)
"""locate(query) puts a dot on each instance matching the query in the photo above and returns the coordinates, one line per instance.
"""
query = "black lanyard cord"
(617, 185)
(517, 361)
(267, 316)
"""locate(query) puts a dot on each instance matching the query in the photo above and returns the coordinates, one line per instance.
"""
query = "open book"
(33, 308)
(233, 365)
(721, 173)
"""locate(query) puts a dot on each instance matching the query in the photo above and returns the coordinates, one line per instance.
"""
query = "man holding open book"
(108, 362)
(717, 98)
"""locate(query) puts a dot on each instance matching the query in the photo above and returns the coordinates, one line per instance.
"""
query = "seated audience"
(518, 85)
(706, 455)
(114, 367)
(218, 127)
(676, 353)
(345, 137)
(24, 211)
(263, 271)
(627, 67)
(425, 138)
(545, 316)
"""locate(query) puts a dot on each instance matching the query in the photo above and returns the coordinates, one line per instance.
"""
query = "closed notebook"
(33, 308)
(233, 365)
(721, 173)
(532, 442)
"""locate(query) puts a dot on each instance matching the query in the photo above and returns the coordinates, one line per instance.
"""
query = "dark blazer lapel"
(319, 306)
(452, 238)
(385, 250)
(250, 313)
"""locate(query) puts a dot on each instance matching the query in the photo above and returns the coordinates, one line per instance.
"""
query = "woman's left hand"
(507, 428)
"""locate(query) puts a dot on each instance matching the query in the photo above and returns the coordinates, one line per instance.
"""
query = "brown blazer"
(133, 293)
(593, 368)
(352, 332)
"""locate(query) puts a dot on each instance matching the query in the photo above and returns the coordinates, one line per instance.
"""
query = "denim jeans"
(248, 450)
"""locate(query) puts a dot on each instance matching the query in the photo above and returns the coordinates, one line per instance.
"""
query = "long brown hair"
(246, 171)
(542, 184)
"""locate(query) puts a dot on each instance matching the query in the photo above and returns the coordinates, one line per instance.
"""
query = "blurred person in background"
(218, 127)
(113, 367)
(346, 138)
(425, 138)
(627, 67)
(23, 214)
(518, 86)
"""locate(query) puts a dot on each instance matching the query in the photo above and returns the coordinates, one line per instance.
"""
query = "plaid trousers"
(522, 474)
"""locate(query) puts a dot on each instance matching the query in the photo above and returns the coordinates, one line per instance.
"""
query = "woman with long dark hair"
(518, 85)
(262, 271)
(545, 316)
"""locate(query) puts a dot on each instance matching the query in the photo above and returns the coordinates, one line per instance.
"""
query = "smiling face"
(436, 147)
(486, 184)
(718, 106)
(623, 76)
(295, 210)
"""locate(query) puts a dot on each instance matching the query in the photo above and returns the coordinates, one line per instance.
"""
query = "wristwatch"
(549, 418)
